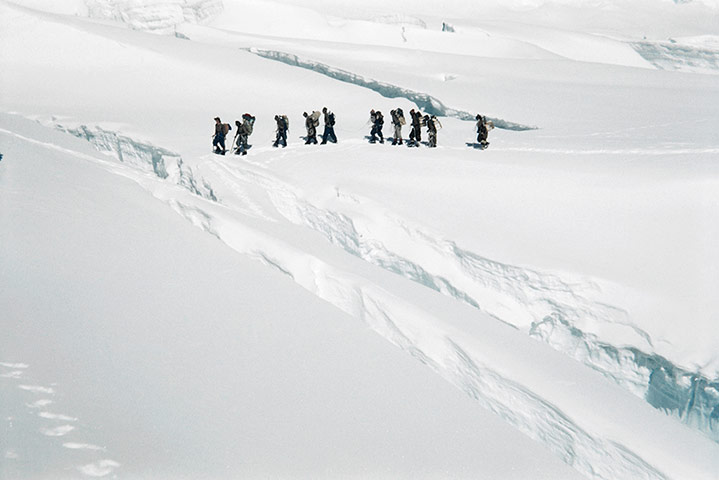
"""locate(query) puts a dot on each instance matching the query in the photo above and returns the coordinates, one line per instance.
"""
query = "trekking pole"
(364, 127)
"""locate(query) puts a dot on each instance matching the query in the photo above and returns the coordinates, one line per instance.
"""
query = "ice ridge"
(164, 163)
(458, 357)
(546, 306)
(673, 55)
(425, 102)
(159, 16)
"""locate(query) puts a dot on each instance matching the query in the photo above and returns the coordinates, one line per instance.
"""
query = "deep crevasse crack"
(427, 103)
(544, 305)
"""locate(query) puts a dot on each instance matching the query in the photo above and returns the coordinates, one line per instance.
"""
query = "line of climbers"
(312, 121)
(244, 130)
(398, 121)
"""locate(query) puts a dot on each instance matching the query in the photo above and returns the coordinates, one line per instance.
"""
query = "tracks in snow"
(34, 408)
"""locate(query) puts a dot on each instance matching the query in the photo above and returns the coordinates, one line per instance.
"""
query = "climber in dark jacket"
(377, 121)
(329, 133)
(282, 128)
(482, 131)
(415, 135)
(218, 140)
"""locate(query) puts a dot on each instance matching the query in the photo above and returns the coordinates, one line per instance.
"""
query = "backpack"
(249, 123)
(285, 121)
(331, 119)
(400, 116)
(226, 128)
(379, 118)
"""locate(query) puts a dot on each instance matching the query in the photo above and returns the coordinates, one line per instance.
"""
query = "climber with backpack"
(415, 135)
(244, 130)
(329, 133)
(377, 121)
(283, 126)
(432, 123)
(397, 121)
(483, 128)
(311, 123)
(218, 138)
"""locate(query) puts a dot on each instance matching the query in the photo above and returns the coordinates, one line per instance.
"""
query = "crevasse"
(144, 156)
(425, 102)
(546, 306)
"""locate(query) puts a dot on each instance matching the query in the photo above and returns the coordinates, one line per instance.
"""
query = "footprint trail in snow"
(38, 435)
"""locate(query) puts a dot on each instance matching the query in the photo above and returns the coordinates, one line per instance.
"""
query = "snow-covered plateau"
(542, 309)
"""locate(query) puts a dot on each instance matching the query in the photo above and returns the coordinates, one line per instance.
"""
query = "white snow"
(231, 340)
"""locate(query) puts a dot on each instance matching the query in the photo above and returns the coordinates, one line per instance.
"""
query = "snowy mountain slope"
(621, 33)
(172, 356)
(638, 142)
(434, 330)
(593, 233)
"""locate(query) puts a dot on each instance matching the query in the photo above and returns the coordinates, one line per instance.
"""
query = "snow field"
(593, 233)
(291, 386)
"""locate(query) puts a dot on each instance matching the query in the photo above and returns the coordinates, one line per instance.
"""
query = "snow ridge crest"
(158, 16)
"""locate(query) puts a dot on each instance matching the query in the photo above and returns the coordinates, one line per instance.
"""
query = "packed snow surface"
(170, 313)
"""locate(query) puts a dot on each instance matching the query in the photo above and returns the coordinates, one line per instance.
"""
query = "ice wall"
(145, 157)
(159, 16)
(694, 54)
(425, 102)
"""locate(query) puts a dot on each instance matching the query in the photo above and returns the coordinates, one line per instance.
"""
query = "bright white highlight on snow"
(81, 446)
(60, 431)
(36, 389)
(57, 416)
(544, 308)
(100, 468)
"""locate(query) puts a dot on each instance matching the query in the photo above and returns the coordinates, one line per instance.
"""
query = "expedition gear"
(432, 123)
(218, 138)
(377, 121)
(244, 130)
(248, 123)
(397, 122)
(311, 123)
(283, 126)
(329, 133)
(415, 135)
(483, 128)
